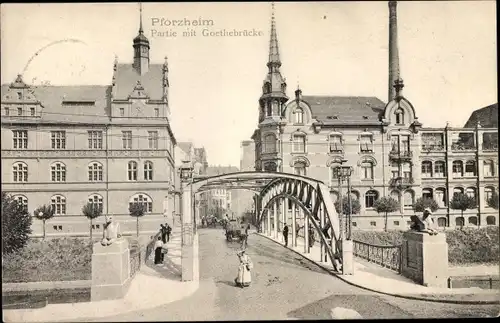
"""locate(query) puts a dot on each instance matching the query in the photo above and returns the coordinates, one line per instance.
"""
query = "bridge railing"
(385, 256)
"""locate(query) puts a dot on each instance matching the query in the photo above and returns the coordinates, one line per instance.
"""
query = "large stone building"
(110, 145)
(390, 151)
(247, 163)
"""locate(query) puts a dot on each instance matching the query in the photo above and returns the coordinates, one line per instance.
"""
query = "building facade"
(222, 197)
(109, 145)
(390, 151)
(246, 201)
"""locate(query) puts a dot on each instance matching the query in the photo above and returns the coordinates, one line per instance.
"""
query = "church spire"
(274, 55)
(394, 72)
(141, 48)
(140, 18)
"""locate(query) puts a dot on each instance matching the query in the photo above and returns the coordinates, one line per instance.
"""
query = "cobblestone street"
(285, 286)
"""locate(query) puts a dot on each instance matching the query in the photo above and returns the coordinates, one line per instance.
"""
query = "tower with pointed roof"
(141, 49)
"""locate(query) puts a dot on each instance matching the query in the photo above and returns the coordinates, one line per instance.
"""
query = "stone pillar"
(110, 271)
(306, 233)
(425, 258)
(275, 219)
(187, 260)
(347, 257)
(294, 226)
(268, 211)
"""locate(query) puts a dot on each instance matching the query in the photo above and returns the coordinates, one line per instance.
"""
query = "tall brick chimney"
(393, 49)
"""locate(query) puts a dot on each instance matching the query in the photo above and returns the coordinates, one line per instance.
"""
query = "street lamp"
(345, 172)
(186, 171)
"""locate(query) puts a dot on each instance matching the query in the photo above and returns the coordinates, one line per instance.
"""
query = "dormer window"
(299, 115)
(366, 143)
(335, 143)
(399, 116)
(19, 95)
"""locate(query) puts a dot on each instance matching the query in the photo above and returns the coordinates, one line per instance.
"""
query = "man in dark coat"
(163, 232)
(168, 231)
(285, 234)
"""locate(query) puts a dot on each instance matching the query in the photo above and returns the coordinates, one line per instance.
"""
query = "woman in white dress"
(244, 277)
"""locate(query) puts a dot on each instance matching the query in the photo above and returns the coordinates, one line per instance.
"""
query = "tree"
(493, 201)
(16, 224)
(425, 202)
(355, 206)
(44, 213)
(137, 210)
(386, 205)
(462, 202)
(91, 212)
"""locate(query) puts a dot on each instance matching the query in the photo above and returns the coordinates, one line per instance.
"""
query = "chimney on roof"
(394, 72)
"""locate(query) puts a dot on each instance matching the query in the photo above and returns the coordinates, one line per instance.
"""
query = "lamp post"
(186, 175)
(345, 172)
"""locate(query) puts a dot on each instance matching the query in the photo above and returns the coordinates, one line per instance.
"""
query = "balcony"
(401, 182)
(400, 155)
(463, 146)
(490, 146)
(429, 148)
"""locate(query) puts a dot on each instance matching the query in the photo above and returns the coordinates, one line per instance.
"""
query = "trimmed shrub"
(16, 225)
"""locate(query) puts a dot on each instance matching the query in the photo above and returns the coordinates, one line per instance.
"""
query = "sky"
(447, 56)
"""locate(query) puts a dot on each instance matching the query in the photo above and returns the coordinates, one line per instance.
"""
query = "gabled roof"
(185, 146)
(487, 117)
(345, 108)
(126, 78)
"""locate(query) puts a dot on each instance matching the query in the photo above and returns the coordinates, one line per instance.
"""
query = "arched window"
(488, 168)
(458, 190)
(459, 221)
(395, 195)
(299, 143)
(276, 107)
(439, 169)
(22, 200)
(470, 168)
(426, 168)
(144, 200)
(300, 168)
(491, 220)
(95, 172)
(269, 109)
(408, 198)
(58, 203)
(148, 171)
(458, 169)
(488, 194)
(473, 220)
(96, 201)
(440, 196)
(299, 115)
(20, 172)
(400, 116)
(270, 143)
(366, 169)
(58, 172)
(441, 222)
(427, 193)
(132, 171)
(354, 195)
(471, 192)
(370, 198)
(335, 143)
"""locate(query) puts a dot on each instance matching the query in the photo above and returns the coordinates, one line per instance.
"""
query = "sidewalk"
(382, 280)
(151, 287)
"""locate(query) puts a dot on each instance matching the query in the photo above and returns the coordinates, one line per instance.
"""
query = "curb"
(447, 301)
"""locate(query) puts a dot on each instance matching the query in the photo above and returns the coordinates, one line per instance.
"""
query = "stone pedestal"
(425, 258)
(347, 257)
(110, 271)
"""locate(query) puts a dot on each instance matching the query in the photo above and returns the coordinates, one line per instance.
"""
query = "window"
(58, 139)
(335, 143)
(470, 168)
(20, 172)
(458, 190)
(367, 170)
(57, 227)
(405, 144)
(127, 139)
(400, 116)
(488, 168)
(370, 198)
(96, 226)
(96, 201)
(473, 220)
(19, 95)
(373, 223)
(58, 172)
(6, 111)
(153, 139)
(122, 112)
(58, 203)
(491, 220)
(148, 171)
(19, 111)
(157, 112)
(144, 200)
(457, 168)
(426, 169)
(132, 171)
(488, 194)
(408, 199)
(354, 224)
(299, 115)
(95, 139)
(300, 168)
(395, 195)
(439, 169)
(20, 139)
(269, 143)
(299, 143)
(32, 112)
(334, 174)
(270, 167)
(396, 223)
(459, 222)
(22, 201)
(366, 143)
(471, 192)
(440, 197)
(95, 172)
(427, 193)
(441, 222)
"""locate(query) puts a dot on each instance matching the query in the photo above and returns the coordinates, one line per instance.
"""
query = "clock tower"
(141, 49)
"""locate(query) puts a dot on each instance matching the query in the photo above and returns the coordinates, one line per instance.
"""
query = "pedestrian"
(158, 253)
(285, 234)
(244, 278)
(311, 237)
(163, 232)
(168, 231)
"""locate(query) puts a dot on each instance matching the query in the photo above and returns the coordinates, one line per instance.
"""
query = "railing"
(474, 282)
(428, 148)
(462, 147)
(401, 181)
(400, 154)
(386, 256)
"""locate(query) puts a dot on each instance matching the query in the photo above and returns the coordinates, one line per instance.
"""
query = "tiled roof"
(185, 146)
(487, 116)
(126, 78)
(345, 108)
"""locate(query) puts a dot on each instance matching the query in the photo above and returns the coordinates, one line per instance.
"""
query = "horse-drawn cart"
(234, 230)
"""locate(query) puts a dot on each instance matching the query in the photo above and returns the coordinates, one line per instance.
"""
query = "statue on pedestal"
(424, 224)
(111, 231)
